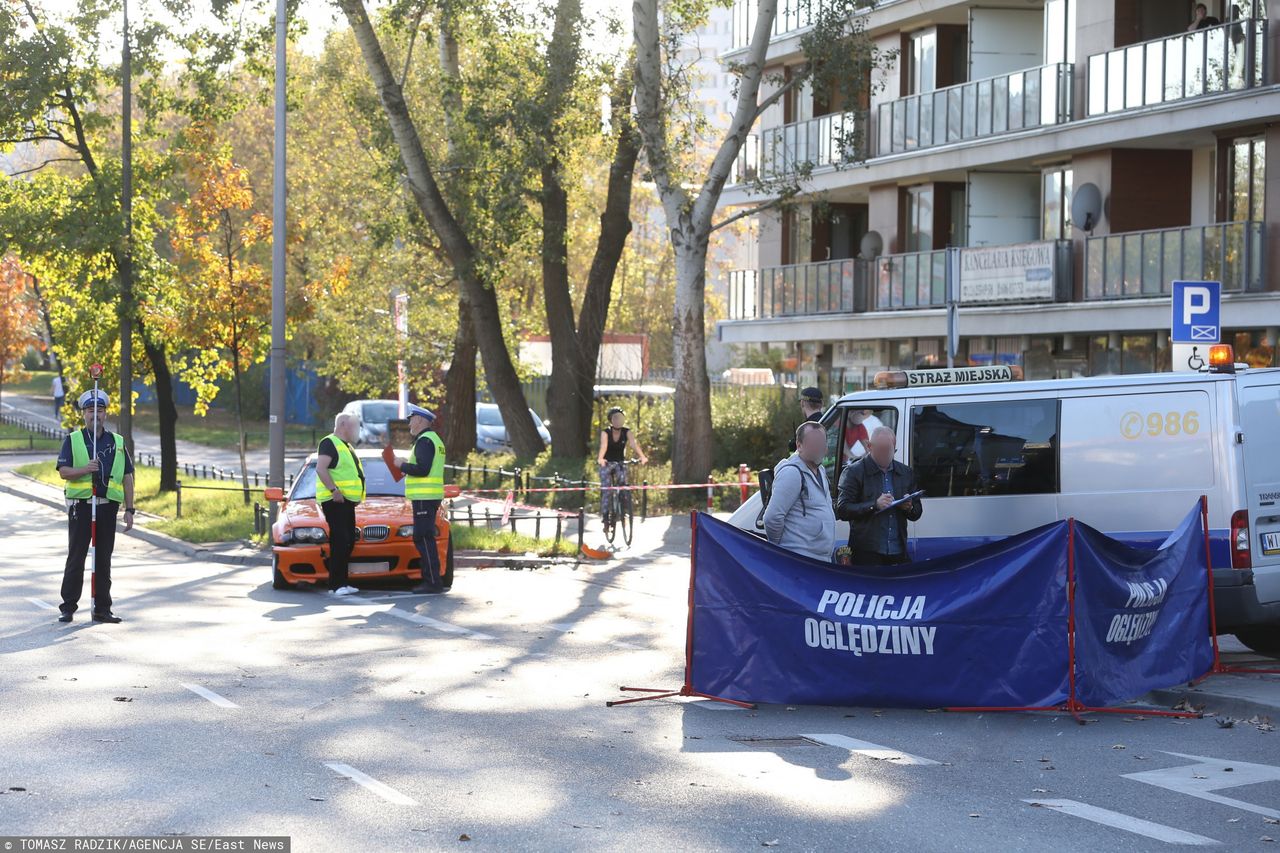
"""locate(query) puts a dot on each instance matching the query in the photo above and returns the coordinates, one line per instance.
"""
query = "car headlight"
(405, 530)
(309, 534)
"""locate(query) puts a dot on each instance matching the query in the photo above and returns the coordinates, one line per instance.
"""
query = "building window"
(1005, 447)
(922, 68)
(1059, 31)
(1137, 354)
(1056, 201)
(919, 218)
(1246, 179)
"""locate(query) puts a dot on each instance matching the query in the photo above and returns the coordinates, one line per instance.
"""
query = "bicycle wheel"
(610, 517)
(627, 518)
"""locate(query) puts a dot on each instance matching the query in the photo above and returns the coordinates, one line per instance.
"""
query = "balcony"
(803, 146)
(1211, 61)
(826, 287)
(793, 16)
(1036, 97)
(1021, 273)
(1143, 263)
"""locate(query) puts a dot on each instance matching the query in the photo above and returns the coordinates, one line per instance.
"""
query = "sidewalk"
(1239, 696)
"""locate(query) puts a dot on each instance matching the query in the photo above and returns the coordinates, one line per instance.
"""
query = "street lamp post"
(401, 316)
(275, 474)
(126, 259)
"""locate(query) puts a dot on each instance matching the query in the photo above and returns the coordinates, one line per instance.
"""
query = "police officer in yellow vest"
(424, 486)
(97, 469)
(339, 489)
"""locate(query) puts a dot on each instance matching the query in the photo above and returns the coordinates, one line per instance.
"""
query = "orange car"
(384, 526)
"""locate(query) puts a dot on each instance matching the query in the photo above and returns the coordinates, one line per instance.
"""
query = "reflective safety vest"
(81, 488)
(430, 487)
(346, 472)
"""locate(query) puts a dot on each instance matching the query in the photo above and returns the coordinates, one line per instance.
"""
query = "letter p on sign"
(1196, 312)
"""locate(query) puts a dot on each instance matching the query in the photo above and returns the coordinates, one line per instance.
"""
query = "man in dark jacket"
(878, 534)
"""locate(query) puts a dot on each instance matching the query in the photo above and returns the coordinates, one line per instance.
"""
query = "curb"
(160, 540)
(1222, 705)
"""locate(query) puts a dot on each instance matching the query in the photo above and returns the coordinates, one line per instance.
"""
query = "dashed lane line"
(220, 701)
(383, 790)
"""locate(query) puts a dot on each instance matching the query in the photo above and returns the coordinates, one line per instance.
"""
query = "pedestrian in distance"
(811, 406)
(799, 516)
(868, 489)
(339, 490)
(423, 473)
(98, 471)
(59, 397)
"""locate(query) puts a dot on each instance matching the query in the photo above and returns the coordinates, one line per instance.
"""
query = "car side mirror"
(275, 494)
(451, 490)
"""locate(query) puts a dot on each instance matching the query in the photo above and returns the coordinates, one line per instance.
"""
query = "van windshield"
(849, 431)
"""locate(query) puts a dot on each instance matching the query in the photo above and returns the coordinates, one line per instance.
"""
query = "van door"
(849, 427)
(1260, 421)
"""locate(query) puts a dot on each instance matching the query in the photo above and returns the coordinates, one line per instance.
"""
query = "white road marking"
(1200, 780)
(445, 627)
(382, 790)
(104, 636)
(42, 604)
(712, 705)
(393, 595)
(220, 701)
(871, 750)
(1128, 823)
(570, 628)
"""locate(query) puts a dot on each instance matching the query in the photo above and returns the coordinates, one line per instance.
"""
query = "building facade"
(997, 126)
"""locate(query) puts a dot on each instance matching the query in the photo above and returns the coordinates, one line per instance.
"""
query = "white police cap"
(88, 398)
(412, 410)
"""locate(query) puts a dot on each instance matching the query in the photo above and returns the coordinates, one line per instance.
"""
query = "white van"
(1128, 455)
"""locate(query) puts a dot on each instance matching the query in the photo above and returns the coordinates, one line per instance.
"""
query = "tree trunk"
(691, 452)
(459, 432)
(166, 411)
(500, 372)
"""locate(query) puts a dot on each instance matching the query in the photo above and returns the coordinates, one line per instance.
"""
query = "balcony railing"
(793, 16)
(1219, 59)
(829, 140)
(1021, 273)
(1143, 263)
(746, 166)
(1035, 97)
(826, 287)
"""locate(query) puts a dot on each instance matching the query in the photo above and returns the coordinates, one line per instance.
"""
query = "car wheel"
(1263, 640)
(446, 580)
(277, 579)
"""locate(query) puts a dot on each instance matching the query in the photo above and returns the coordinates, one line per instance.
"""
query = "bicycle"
(616, 506)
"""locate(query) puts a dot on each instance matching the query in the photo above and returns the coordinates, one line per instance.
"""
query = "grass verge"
(218, 429)
(16, 438)
(207, 515)
(505, 542)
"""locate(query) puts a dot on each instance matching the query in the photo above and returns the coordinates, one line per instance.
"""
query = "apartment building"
(994, 118)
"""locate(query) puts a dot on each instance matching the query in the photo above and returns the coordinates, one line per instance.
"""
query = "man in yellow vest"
(97, 470)
(423, 474)
(339, 489)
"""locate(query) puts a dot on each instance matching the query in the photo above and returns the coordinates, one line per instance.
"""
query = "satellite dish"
(872, 245)
(1086, 207)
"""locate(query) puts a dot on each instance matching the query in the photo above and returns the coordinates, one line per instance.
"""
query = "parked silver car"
(491, 432)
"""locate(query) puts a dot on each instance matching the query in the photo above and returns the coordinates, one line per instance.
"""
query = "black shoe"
(105, 617)
(65, 617)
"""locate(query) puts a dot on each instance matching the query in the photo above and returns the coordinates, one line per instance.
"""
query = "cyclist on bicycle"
(611, 457)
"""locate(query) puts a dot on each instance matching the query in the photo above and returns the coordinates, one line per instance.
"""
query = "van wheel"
(277, 579)
(1265, 641)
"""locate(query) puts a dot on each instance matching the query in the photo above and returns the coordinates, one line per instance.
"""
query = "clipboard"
(900, 501)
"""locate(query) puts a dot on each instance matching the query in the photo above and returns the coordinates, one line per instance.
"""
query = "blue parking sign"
(1197, 311)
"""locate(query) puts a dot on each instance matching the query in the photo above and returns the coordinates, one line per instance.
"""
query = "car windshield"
(488, 416)
(377, 480)
(380, 413)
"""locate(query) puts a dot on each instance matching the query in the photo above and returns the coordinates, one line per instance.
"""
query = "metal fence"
(1026, 99)
(1143, 263)
(1211, 61)
(826, 141)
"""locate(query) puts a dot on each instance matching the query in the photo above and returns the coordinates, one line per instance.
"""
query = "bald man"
(878, 533)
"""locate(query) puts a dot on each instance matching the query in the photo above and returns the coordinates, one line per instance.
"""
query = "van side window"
(849, 431)
(1001, 447)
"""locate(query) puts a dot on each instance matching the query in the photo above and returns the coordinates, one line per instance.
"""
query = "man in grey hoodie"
(800, 516)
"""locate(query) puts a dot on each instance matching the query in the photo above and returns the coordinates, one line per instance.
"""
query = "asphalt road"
(394, 723)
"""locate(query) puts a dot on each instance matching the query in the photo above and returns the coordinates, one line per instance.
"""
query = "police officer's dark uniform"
(348, 478)
(424, 487)
(109, 487)
(810, 397)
